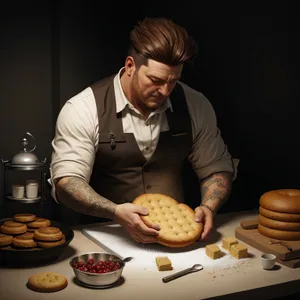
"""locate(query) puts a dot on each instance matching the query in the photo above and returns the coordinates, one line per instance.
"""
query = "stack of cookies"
(29, 231)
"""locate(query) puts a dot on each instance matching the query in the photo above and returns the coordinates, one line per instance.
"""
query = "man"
(131, 133)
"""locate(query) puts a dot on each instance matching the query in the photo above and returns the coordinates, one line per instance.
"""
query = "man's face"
(152, 84)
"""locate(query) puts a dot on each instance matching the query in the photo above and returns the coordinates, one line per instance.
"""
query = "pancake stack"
(279, 214)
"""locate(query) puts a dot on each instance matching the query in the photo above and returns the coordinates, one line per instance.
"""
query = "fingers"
(140, 237)
(144, 212)
(199, 215)
(137, 228)
(141, 210)
(144, 229)
(143, 233)
(204, 216)
(208, 225)
(155, 226)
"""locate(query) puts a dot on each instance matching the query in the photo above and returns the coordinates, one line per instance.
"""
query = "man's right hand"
(128, 216)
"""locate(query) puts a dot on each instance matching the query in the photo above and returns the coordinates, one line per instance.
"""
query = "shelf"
(16, 173)
(24, 167)
(25, 200)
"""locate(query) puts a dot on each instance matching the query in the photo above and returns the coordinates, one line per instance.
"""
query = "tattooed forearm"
(77, 194)
(216, 189)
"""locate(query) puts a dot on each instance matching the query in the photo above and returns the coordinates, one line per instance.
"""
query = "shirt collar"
(122, 102)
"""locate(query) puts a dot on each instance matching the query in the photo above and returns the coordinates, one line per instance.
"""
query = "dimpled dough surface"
(176, 220)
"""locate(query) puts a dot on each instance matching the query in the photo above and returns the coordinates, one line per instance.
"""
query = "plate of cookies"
(27, 239)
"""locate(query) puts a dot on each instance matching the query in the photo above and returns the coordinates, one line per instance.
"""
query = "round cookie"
(177, 220)
(47, 282)
(286, 217)
(24, 240)
(24, 218)
(13, 227)
(52, 244)
(48, 234)
(38, 223)
(5, 240)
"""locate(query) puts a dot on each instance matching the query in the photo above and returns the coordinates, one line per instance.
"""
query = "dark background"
(247, 67)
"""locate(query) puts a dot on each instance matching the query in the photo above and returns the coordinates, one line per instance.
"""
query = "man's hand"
(205, 216)
(128, 216)
(215, 190)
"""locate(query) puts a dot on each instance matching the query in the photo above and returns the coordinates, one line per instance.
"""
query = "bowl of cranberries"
(97, 268)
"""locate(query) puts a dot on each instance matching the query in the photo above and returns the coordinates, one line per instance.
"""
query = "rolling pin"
(249, 224)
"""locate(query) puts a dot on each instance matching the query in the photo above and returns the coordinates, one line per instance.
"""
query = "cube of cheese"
(227, 242)
(213, 251)
(238, 251)
(163, 263)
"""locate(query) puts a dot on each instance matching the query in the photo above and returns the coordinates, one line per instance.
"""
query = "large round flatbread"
(177, 225)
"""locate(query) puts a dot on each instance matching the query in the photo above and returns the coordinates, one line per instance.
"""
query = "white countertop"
(225, 278)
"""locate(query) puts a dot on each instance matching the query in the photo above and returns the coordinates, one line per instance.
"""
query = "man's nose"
(165, 90)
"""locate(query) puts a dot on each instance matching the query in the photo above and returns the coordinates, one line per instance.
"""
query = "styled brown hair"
(162, 40)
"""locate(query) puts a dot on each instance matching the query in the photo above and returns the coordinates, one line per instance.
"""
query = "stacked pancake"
(28, 231)
(279, 214)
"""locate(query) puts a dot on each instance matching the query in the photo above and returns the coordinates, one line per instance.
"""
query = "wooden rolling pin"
(249, 224)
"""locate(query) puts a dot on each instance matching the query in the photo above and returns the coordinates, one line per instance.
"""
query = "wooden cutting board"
(253, 238)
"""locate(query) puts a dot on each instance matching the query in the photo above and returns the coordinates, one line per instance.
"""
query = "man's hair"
(162, 40)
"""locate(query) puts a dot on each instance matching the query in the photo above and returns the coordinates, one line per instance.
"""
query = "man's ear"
(130, 66)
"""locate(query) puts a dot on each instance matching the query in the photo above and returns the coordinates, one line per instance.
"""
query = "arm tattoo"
(77, 194)
(216, 188)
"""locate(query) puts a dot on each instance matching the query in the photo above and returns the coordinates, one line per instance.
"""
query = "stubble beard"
(146, 105)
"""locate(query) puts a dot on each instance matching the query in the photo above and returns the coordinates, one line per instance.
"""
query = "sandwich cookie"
(38, 223)
(24, 218)
(44, 244)
(48, 234)
(5, 240)
(24, 240)
(14, 228)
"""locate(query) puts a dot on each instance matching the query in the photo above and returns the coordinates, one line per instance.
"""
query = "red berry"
(75, 265)
(80, 264)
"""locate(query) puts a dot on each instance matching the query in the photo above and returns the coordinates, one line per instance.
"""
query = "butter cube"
(238, 251)
(227, 242)
(163, 263)
(213, 251)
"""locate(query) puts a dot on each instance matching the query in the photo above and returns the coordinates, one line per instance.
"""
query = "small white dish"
(268, 261)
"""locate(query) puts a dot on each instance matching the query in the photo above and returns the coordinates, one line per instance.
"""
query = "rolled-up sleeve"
(74, 144)
(209, 153)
